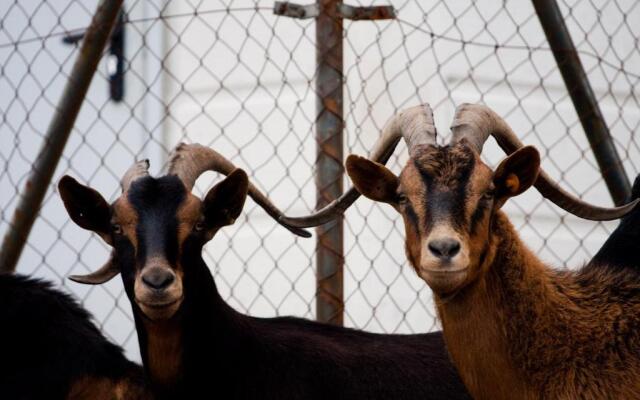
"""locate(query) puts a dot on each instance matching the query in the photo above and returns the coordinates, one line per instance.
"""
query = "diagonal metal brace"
(345, 11)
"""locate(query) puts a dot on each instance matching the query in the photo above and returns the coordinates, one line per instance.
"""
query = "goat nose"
(158, 279)
(444, 248)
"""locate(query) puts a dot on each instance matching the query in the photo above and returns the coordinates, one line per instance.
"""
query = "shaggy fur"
(516, 328)
(207, 350)
(52, 350)
(556, 335)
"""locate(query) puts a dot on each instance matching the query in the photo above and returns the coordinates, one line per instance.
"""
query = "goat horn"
(476, 123)
(102, 275)
(136, 171)
(189, 161)
(414, 124)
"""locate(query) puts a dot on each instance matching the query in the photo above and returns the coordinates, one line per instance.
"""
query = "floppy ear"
(224, 202)
(86, 207)
(516, 173)
(372, 179)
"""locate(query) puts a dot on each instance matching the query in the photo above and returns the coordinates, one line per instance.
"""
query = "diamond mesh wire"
(231, 75)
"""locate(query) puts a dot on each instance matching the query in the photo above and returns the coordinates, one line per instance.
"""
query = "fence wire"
(231, 75)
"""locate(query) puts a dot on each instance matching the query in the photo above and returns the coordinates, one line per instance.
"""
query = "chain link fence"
(232, 75)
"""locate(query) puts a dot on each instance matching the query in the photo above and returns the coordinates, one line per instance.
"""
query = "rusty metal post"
(584, 100)
(329, 169)
(329, 15)
(58, 132)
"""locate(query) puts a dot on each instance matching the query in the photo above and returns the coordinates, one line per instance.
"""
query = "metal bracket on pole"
(117, 62)
(345, 11)
(366, 13)
(286, 9)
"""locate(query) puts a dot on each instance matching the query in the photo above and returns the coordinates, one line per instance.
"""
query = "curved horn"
(189, 161)
(476, 123)
(109, 270)
(414, 124)
(136, 171)
(102, 275)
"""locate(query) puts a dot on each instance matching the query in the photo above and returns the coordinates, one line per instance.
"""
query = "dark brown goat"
(619, 251)
(193, 344)
(52, 349)
(515, 328)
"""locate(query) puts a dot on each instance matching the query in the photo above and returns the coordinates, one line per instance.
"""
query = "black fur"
(620, 250)
(49, 342)
(229, 355)
(233, 356)
(446, 194)
(157, 226)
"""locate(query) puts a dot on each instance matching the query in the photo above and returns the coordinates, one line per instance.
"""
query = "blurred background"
(234, 76)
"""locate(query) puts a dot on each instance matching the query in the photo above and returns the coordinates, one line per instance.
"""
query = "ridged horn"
(476, 123)
(414, 124)
(189, 161)
(136, 171)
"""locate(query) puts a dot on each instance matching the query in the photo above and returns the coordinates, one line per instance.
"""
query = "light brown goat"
(515, 328)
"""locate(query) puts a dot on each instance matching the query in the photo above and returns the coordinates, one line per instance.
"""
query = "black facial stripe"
(439, 206)
(157, 232)
(478, 214)
(483, 255)
(446, 203)
(156, 202)
(460, 197)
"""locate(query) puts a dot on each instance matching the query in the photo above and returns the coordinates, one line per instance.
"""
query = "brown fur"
(188, 215)
(526, 331)
(444, 166)
(515, 328)
(127, 218)
(164, 351)
(100, 388)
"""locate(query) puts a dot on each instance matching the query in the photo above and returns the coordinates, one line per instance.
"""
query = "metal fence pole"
(329, 169)
(584, 100)
(58, 132)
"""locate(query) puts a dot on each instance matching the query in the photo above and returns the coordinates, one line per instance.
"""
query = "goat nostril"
(158, 279)
(444, 248)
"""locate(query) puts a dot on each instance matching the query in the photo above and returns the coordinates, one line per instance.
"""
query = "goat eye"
(199, 226)
(488, 194)
(402, 199)
(116, 229)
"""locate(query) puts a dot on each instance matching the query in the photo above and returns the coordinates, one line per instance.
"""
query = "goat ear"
(224, 202)
(516, 173)
(86, 207)
(372, 179)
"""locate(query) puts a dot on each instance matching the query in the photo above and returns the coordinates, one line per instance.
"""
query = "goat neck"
(197, 344)
(478, 320)
(526, 331)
